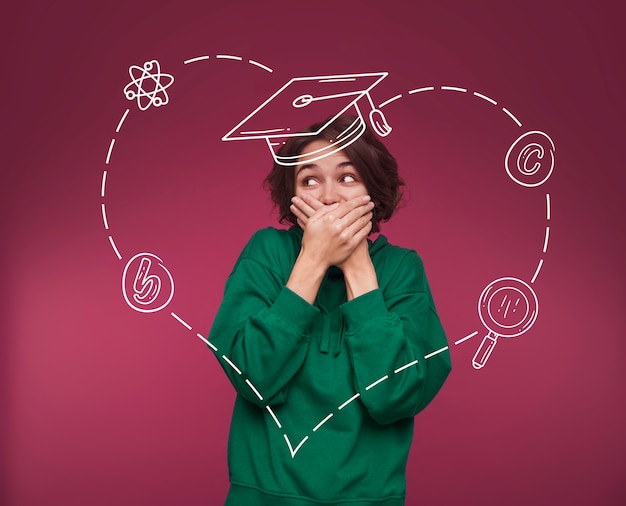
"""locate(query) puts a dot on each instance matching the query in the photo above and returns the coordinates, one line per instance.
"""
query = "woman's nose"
(329, 195)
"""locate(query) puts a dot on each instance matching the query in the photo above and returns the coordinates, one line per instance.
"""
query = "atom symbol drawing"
(152, 94)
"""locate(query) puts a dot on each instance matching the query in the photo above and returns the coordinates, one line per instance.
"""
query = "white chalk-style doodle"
(303, 101)
(148, 85)
(460, 89)
(507, 307)
(147, 285)
(465, 338)
(343, 405)
(530, 159)
(229, 57)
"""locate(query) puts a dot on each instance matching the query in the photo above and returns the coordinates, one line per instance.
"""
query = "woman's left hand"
(358, 270)
(304, 207)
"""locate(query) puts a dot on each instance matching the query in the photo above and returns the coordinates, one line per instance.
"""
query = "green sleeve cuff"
(363, 308)
(294, 311)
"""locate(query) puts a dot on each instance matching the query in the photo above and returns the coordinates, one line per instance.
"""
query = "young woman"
(324, 334)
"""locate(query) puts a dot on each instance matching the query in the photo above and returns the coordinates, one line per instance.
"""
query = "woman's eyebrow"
(307, 166)
(342, 165)
(313, 166)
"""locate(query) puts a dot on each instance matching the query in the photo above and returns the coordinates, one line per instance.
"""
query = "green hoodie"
(326, 392)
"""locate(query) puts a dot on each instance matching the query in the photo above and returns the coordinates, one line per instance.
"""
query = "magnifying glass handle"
(484, 350)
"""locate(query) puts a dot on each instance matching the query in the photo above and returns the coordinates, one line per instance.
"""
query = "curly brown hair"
(375, 164)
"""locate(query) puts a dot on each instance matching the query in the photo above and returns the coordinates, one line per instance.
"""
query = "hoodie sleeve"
(261, 330)
(397, 346)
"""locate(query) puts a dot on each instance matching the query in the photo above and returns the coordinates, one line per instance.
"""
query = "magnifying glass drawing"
(507, 307)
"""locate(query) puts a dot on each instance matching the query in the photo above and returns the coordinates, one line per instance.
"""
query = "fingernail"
(294, 199)
(366, 198)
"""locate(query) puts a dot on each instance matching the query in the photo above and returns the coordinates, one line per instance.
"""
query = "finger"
(325, 212)
(300, 216)
(356, 228)
(352, 204)
(311, 201)
(301, 204)
(357, 213)
(362, 234)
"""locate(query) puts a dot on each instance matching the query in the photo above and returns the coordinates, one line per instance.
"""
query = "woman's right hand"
(333, 232)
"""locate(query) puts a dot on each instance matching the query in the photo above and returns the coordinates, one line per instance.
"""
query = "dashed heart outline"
(158, 100)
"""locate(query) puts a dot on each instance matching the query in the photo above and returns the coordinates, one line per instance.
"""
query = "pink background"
(105, 405)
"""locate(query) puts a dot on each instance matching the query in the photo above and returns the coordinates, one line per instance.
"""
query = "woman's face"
(330, 179)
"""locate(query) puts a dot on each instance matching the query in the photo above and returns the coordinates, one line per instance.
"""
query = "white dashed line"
(440, 350)
(545, 242)
(537, 271)
(389, 101)
(119, 125)
(355, 396)
(254, 389)
(484, 97)
(293, 452)
(181, 321)
(419, 90)
(372, 385)
(104, 218)
(269, 410)
(405, 367)
(264, 67)
(453, 88)
(110, 149)
(104, 181)
(197, 58)
(466, 338)
(213, 347)
(511, 116)
(322, 422)
(229, 57)
(115, 248)
(230, 363)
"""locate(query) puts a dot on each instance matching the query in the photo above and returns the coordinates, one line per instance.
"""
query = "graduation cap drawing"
(304, 101)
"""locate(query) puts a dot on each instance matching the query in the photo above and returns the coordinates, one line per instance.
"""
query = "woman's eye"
(348, 178)
(309, 181)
